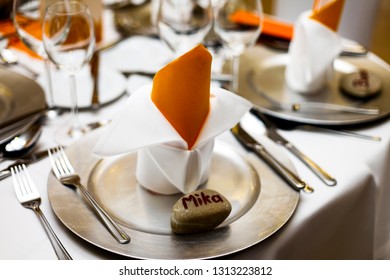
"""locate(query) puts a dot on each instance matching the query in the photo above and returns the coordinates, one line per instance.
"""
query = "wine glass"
(238, 24)
(69, 40)
(27, 19)
(183, 24)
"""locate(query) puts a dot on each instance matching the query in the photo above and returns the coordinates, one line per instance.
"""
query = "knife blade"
(306, 105)
(272, 133)
(251, 144)
(33, 158)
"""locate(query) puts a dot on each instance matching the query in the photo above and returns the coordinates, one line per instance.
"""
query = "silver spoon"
(8, 57)
(22, 144)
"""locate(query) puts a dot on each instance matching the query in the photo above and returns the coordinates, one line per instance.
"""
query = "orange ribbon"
(328, 12)
(271, 26)
(6, 27)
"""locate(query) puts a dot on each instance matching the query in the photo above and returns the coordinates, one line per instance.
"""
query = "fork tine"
(54, 162)
(65, 160)
(59, 166)
(16, 179)
(29, 183)
(22, 181)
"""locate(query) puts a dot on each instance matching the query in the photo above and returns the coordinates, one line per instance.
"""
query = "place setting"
(314, 81)
(116, 168)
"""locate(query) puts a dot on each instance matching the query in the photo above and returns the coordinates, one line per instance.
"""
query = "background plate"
(112, 85)
(145, 216)
(269, 66)
(19, 97)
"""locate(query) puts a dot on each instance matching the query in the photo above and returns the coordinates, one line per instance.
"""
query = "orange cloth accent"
(181, 91)
(7, 27)
(277, 28)
(245, 18)
(329, 13)
(271, 25)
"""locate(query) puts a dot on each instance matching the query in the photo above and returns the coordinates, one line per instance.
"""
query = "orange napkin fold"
(271, 25)
(7, 27)
(181, 91)
(328, 12)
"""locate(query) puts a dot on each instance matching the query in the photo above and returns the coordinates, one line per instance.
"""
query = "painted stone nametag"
(199, 211)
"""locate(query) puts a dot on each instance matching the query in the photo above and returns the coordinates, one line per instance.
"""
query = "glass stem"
(236, 73)
(50, 99)
(75, 109)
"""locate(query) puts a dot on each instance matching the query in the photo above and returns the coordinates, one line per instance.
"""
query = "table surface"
(348, 221)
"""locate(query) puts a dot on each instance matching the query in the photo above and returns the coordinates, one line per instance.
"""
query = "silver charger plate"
(258, 209)
(269, 66)
(19, 97)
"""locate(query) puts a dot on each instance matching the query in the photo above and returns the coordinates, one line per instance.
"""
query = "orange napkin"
(328, 12)
(176, 120)
(7, 27)
(271, 25)
(315, 46)
(185, 107)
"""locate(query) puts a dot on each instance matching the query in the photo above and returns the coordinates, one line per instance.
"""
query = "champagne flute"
(27, 16)
(183, 24)
(238, 24)
(69, 40)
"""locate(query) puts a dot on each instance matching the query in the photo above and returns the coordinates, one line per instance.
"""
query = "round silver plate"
(19, 96)
(258, 210)
(269, 66)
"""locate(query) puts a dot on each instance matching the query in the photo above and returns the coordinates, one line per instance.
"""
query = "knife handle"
(289, 176)
(4, 173)
(321, 173)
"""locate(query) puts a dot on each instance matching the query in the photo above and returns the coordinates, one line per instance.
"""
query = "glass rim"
(67, 7)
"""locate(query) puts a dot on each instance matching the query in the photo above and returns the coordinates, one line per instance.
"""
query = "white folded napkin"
(311, 54)
(165, 165)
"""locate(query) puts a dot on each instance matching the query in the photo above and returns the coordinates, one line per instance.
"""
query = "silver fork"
(29, 197)
(66, 174)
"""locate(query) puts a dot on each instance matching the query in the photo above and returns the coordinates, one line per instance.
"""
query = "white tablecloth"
(348, 221)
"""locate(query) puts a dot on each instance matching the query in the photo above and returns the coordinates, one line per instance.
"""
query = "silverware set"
(272, 133)
(251, 144)
(65, 173)
(30, 198)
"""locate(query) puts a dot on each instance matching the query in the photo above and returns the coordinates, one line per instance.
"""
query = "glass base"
(67, 135)
(53, 113)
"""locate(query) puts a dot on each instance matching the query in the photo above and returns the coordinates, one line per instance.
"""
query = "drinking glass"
(238, 24)
(183, 24)
(69, 40)
(27, 18)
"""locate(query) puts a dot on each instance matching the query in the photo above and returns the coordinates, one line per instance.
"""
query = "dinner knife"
(251, 144)
(35, 157)
(306, 105)
(279, 139)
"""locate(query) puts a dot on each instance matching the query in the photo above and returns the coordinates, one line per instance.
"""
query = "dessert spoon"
(22, 144)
